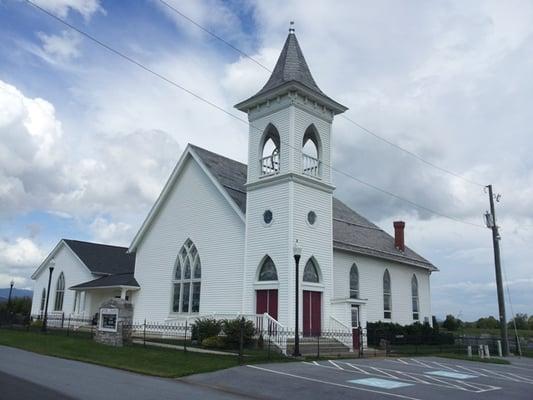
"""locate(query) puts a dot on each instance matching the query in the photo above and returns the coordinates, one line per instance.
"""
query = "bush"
(38, 323)
(214, 342)
(232, 330)
(416, 333)
(204, 328)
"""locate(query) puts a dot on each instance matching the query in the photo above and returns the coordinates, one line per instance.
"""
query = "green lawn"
(136, 358)
(525, 333)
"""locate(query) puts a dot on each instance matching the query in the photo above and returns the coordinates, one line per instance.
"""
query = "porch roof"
(109, 281)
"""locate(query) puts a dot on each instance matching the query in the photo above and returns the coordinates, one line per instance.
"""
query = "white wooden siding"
(371, 287)
(194, 209)
(75, 273)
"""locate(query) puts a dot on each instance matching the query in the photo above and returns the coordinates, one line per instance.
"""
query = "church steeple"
(291, 66)
(291, 73)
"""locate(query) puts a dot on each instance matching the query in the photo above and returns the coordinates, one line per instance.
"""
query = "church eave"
(288, 87)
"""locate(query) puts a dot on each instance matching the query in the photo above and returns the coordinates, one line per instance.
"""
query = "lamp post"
(11, 284)
(45, 319)
(297, 250)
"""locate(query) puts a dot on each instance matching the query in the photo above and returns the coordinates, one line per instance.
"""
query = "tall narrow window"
(414, 297)
(187, 280)
(60, 292)
(311, 271)
(270, 160)
(354, 282)
(268, 270)
(43, 300)
(311, 152)
(387, 296)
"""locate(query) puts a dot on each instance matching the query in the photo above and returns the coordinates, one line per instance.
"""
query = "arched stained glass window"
(414, 298)
(60, 293)
(354, 282)
(187, 280)
(268, 270)
(311, 271)
(387, 296)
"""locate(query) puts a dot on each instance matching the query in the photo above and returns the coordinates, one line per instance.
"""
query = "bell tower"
(289, 193)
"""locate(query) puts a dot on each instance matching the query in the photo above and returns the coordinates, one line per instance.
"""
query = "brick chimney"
(399, 241)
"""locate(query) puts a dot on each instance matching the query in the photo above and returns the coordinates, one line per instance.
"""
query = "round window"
(311, 217)
(267, 216)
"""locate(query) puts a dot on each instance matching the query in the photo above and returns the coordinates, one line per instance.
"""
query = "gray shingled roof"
(351, 231)
(109, 281)
(103, 258)
(291, 66)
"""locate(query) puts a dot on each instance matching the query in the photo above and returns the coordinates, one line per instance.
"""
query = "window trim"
(314, 263)
(415, 297)
(60, 292)
(187, 256)
(358, 294)
(387, 313)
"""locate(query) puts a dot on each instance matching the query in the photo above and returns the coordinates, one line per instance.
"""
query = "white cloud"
(118, 233)
(62, 7)
(63, 47)
(18, 259)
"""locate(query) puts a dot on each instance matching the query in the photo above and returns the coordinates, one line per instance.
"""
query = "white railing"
(343, 330)
(275, 332)
(311, 165)
(270, 164)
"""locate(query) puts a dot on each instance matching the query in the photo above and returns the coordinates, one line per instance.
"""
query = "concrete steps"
(324, 345)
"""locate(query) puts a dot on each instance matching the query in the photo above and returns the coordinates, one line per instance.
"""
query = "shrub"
(204, 328)
(232, 330)
(214, 342)
(416, 333)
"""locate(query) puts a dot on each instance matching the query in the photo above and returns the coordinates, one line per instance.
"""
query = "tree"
(530, 323)
(451, 323)
(520, 320)
(487, 323)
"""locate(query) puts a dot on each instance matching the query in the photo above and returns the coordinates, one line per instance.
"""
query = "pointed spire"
(291, 66)
(291, 72)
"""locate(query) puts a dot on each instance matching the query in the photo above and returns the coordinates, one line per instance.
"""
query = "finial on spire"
(291, 28)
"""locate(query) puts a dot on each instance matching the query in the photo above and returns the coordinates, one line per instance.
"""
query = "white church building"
(222, 236)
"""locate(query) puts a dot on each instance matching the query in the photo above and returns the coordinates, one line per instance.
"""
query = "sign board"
(108, 319)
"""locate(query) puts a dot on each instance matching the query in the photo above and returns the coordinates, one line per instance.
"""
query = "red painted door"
(267, 302)
(312, 313)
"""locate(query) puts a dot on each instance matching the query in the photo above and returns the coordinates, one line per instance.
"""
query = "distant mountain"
(16, 293)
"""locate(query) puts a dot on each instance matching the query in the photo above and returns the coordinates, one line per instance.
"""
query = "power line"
(364, 129)
(149, 70)
(212, 34)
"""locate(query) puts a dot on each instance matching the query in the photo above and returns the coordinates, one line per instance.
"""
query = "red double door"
(267, 302)
(312, 313)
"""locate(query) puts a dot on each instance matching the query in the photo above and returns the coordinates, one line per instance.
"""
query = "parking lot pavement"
(400, 378)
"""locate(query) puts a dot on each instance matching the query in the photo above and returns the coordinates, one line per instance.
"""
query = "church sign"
(108, 319)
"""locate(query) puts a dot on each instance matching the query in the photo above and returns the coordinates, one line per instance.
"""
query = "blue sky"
(88, 140)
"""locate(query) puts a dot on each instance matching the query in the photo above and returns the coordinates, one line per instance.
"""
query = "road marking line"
(401, 396)
(444, 366)
(471, 370)
(500, 375)
(384, 373)
(479, 389)
(336, 365)
(402, 361)
(446, 383)
(357, 368)
(527, 380)
(416, 379)
(421, 363)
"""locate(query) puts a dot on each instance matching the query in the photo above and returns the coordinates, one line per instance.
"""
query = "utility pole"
(491, 223)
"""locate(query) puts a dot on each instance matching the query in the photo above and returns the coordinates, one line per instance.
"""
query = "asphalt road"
(31, 376)
(25, 375)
